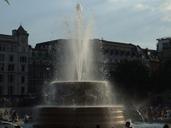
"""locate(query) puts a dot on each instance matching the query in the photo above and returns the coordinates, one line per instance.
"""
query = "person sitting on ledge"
(166, 126)
(128, 124)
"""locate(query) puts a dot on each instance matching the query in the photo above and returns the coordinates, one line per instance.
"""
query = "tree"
(132, 72)
(132, 77)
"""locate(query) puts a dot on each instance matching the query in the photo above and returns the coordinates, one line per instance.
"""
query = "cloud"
(114, 1)
(122, 20)
(166, 6)
(141, 7)
(161, 8)
(165, 9)
(144, 6)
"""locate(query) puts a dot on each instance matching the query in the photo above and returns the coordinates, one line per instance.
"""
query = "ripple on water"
(148, 125)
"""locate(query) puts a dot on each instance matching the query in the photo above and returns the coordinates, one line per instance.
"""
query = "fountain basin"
(81, 93)
(79, 104)
(79, 117)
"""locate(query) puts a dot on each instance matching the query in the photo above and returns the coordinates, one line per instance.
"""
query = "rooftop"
(164, 38)
(6, 38)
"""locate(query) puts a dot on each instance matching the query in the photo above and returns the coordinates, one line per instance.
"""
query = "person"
(166, 126)
(17, 127)
(14, 116)
(128, 124)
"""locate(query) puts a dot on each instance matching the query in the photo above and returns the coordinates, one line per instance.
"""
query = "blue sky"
(139, 22)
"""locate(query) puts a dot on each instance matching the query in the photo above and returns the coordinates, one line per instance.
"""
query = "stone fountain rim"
(82, 81)
(80, 106)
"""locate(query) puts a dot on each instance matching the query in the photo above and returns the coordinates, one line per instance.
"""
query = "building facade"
(49, 60)
(115, 52)
(164, 52)
(25, 70)
(164, 49)
(14, 63)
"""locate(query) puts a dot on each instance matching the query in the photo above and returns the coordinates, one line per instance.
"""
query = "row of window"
(11, 78)
(11, 67)
(11, 90)
(119, 59)
(10, 48)
(22, 59)
(119, 52)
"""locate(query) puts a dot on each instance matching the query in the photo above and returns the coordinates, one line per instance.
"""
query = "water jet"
(80, 101)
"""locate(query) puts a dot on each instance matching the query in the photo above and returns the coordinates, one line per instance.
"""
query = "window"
(106, 51)
(2, 57)
(22, 68)
(22, 90)
(10, 90)
(10, 78)
(121, 53)
(23, 59)
(116, 52)
(1, 90)
(133, 54)
(11, 67)
(128, 53)
(33, 54)
(2, 67)
(11, 58)
(111, 52)
(1, 78)
(22, 79)
(2, 48)
(12, 48)
(165, 45)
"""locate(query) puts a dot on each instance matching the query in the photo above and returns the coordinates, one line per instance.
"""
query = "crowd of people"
(9, 115)
(19, 101)
(156, 113)
(6, 102)
(12, 115)
(128, 124)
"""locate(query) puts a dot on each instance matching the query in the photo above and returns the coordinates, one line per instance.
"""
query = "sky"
(139, 22)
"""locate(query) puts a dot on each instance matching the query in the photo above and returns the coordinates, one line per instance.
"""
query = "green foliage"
(132, 72)
(132, 78)
(135, 78)
(165, 75)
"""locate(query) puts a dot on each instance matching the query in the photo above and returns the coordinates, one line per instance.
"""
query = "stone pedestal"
(79, 117)
(79, 105)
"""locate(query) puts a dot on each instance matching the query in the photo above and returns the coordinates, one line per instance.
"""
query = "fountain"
(80, 100)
